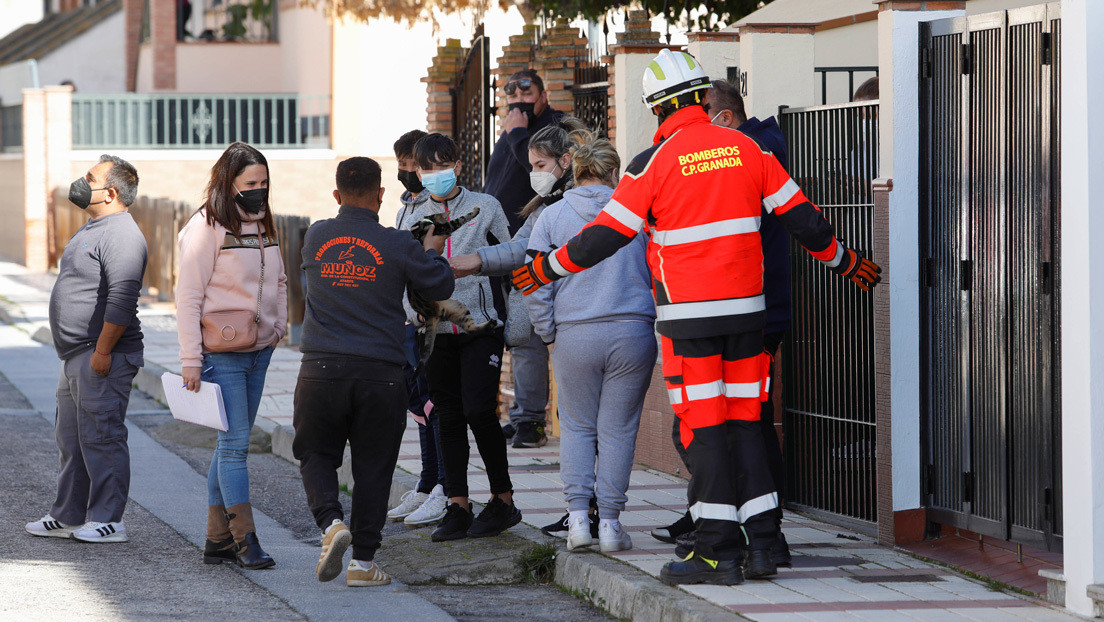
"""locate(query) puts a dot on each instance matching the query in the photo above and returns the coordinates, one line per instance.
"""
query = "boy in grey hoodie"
(463, 371)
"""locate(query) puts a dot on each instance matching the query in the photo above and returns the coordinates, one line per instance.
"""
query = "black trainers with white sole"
(558, 529)
(50, 527)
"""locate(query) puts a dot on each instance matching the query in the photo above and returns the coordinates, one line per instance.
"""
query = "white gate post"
(1082, 300)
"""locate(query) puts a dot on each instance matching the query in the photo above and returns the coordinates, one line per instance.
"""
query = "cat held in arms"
(434, 311)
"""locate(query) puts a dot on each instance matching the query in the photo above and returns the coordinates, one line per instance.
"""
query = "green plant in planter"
(234, 29)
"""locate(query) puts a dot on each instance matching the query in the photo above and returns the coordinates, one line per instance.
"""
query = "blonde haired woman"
(231, 275)
(604, 353)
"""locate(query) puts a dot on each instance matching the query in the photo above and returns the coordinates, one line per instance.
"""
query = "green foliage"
(538, 564)
(708, 15)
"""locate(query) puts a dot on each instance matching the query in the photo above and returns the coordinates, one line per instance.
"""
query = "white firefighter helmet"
(671, 74)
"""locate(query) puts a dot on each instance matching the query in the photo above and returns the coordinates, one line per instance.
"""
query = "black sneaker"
(780, 552)
(494, 519)
(454, 525)
(685, 544)
(530, 435)
(558, 529)
(758, 564)
(508, 431)
(669, 533)
(696, 569)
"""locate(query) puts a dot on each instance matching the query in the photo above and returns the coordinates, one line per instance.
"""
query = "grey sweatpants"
(94, 478)
(529, 366)
(602, 373)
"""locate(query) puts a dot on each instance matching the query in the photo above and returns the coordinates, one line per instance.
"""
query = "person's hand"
(465, 265)
(436, 242)
(101, 363)
(859, 270)
(191, 378)
(534, 275)
(514, 119)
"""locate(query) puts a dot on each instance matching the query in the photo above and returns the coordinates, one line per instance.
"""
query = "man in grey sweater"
(95, 328)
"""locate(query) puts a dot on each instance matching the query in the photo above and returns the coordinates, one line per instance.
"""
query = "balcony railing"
(177, 121)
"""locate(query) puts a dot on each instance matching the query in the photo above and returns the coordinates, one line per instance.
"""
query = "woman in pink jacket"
(231, 298)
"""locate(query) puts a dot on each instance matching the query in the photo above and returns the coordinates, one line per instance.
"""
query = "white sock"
(578, 515)
(332, 525)
(610, 523)
(359, 564)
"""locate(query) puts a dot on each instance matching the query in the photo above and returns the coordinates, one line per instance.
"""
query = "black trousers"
(715, 387)
(361, 401)
(771, 344)
(463, 374)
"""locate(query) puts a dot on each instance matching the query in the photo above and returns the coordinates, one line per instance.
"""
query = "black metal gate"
(591, 92)
(473, 113)
(828, 357)
(989, 293)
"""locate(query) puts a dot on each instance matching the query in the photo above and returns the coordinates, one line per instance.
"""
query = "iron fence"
(11, 128)
(828, 357)
(591, 91)
(850, 71)
(989, 214)
(185, 121)
(473, 112)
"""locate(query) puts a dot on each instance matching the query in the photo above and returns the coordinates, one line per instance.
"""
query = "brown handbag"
(234, 331)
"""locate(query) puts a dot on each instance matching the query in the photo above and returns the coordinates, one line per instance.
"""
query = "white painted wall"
(16, 13)
(716, 56)
(898, 50)
(306, 51)
(780, 72)
(636, 125)
(1083, 302)
(229, 68)
(847, 46)
(95, 61)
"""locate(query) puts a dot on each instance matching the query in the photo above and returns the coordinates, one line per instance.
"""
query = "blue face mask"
(441, 183)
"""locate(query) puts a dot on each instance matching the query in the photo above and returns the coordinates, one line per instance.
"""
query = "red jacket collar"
(678, 120)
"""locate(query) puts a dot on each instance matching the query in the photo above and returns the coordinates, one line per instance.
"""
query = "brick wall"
(132, 11)
(163, 41)
(516, 55)
(883, 405)
(555, 62)
(441, 76)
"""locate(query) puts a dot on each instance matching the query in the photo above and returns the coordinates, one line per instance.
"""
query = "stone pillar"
(716, 51)
(900, 516)
(163, 43)
(518, 54)
(1082, 301)
(635, 48)
(555, 63)
(778, 59)
(441, 77)
(47, 141)
(132, 30)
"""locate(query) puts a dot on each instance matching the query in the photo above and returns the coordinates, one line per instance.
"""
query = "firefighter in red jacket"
(698, 192)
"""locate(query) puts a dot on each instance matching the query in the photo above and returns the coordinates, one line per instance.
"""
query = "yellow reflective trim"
(690, 60)
(711, 562)
(654, 66)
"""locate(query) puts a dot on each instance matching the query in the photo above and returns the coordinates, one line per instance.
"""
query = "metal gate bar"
(828, 357)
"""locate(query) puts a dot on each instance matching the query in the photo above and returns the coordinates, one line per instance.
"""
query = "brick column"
(441, 77)
(163, 42)
(555, 62)
(132, 30)
(635, 125)
(516, 55)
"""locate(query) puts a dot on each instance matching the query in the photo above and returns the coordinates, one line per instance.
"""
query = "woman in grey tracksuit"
(601, 322)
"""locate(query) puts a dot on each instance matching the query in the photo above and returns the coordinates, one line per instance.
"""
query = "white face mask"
(543, 181)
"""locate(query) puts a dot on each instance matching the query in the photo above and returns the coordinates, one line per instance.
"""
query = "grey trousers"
(602, 372)
(529, 367)
(94, 478)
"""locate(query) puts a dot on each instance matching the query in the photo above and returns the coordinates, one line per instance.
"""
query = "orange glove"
(534, 275)
(863, 272)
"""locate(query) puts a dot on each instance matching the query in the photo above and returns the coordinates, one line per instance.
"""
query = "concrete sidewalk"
(837, 574)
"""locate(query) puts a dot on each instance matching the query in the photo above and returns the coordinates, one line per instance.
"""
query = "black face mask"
(411, 182)
(526, 107)
(252, 201)
(80, 193)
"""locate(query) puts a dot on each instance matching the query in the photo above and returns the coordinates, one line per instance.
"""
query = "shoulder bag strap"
(260, 286)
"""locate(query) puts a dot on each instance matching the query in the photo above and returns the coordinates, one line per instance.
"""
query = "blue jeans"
(241, 375)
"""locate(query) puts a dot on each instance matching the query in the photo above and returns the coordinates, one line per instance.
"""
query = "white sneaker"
(578, 532)
(101, 532)
(431, 511)
(50, 527)
(613, 537)
(411, 500)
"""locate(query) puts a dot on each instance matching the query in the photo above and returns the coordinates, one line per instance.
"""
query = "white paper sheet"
(204, 408)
